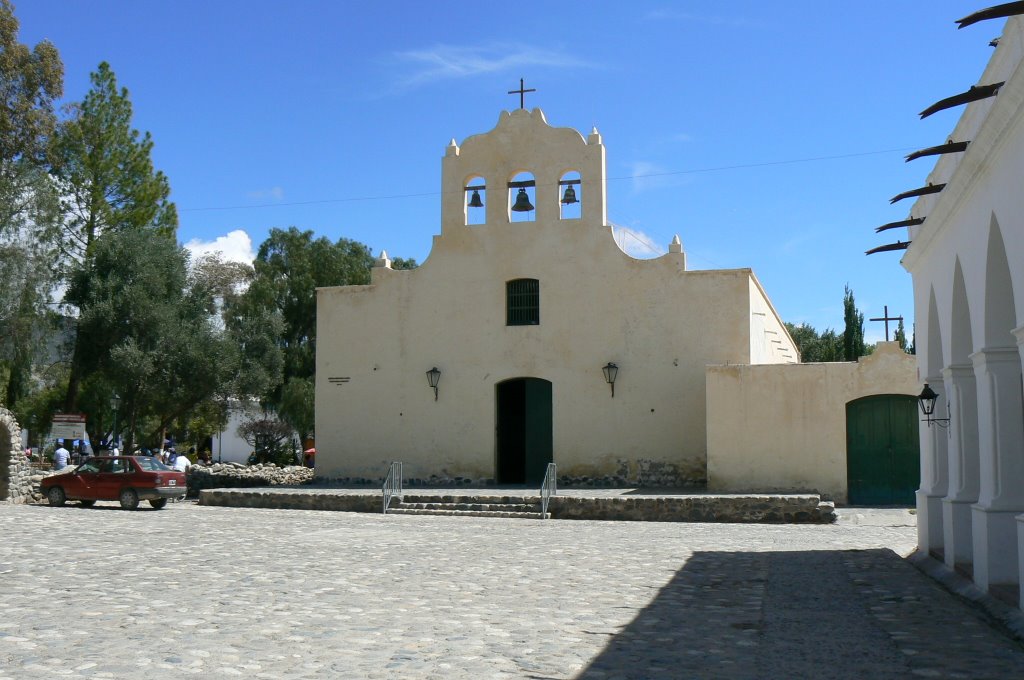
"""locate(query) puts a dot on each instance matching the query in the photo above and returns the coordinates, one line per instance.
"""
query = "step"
(468, 513)
(480, 507)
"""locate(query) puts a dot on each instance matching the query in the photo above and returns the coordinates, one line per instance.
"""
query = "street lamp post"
(115, 401)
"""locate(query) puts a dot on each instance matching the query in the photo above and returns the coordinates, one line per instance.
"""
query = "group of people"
(62, 458)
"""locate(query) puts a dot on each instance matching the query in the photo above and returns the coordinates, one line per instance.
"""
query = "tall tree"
(901, 337)
(853, 333)
(30, 80)
(290, 266)
(108, 183)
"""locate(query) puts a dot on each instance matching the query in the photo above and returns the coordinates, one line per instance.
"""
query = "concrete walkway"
(214, 592)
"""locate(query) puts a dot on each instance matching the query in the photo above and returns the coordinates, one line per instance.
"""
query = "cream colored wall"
(770, 342)
(782, 428)
(661, 324)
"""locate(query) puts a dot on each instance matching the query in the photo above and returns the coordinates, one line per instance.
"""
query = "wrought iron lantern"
(611, 371)
(433, 376)
(926, 400)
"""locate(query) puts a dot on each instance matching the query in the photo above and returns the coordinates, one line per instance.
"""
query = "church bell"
(569, 196)
(474, 200)
(522, 203)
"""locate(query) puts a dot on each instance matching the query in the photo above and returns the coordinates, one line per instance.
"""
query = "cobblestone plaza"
(219, 592)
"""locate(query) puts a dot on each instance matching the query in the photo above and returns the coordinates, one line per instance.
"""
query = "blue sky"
(767, 135)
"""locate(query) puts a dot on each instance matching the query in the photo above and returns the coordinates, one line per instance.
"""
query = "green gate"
(882, 451)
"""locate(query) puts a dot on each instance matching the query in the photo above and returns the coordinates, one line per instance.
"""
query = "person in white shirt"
(61, 457)
(181, 463)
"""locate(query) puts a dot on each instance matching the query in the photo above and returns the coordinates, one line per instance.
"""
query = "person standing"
(181, 463)
(60, 457)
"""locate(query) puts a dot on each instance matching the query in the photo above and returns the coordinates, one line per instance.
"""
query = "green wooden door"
(882, 451)
(538, 429)
(524, 430)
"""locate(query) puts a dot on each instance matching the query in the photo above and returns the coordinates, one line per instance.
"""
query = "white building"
(520, 313)
(967, 262)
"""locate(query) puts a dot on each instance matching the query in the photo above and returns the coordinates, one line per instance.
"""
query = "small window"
(523, 302)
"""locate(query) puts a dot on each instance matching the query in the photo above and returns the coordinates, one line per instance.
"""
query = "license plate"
(174, 482)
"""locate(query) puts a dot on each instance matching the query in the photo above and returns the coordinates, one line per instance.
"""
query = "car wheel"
(129, 499)
(158, 502)
(55, 496)
(87, 504)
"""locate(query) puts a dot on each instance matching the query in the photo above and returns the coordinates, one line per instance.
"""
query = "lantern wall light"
(926, 400)
(433, 376)
(611, 371)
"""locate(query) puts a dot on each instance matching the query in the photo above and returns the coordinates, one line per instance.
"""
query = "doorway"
(524, 431)
(882, 452)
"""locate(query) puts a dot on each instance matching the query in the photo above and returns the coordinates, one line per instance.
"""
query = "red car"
(127, 479)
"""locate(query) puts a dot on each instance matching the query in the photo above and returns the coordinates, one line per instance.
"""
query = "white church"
(966, 256)
(528, 337)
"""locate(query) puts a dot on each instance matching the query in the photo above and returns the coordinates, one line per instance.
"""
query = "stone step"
(462, 498)
(479, 507)
(467, 513)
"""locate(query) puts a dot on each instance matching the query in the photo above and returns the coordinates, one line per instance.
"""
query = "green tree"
(815, 348)
(901, 337)
(108, 185)
(30, 80)
(853, 333)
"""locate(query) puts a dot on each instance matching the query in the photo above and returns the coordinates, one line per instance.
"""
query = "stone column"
(962, 392)
(934, 478)
(1001, 466)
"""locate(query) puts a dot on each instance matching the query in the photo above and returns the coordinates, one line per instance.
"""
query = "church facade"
(528, 336)
(967, 262)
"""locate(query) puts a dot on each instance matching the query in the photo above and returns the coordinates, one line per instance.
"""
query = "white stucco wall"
(782, 428)
(658, 322)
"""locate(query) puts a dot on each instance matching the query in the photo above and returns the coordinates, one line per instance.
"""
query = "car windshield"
(151, 464)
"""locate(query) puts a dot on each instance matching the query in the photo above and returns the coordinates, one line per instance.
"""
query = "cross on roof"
(887, 319)
(521, 91)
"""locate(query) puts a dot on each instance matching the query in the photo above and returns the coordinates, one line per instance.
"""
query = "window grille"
(523, 302)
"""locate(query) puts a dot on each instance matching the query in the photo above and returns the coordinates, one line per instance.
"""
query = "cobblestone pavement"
(218, 592)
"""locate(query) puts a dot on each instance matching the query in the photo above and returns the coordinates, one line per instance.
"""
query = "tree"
(901, 337)
(853, 333)
(269, 437)
(30, 81)
(813, 347)
(109, 185)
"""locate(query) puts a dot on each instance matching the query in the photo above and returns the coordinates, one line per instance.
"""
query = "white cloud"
(446, 62)
(711, 19)
(236, 246)
(635, 243)
(648, 176)
(275, 193)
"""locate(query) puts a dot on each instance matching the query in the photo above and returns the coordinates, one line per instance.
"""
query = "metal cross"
(887, 319)
(521, 91)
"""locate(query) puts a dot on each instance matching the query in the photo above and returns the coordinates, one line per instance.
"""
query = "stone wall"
(16, 481)
(235, 475)
(803, 508)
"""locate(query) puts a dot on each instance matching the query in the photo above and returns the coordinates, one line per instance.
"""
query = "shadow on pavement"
(838, 614)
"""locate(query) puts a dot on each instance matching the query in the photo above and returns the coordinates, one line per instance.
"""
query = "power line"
(694, 171)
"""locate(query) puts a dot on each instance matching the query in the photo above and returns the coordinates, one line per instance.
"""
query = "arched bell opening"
(475, 200)
(570, 196)
(522, 198)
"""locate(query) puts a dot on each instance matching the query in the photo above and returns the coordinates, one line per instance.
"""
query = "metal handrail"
(548, 488)
(392, 484)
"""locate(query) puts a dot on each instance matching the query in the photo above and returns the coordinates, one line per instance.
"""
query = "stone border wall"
(752, 508)
(16, 482)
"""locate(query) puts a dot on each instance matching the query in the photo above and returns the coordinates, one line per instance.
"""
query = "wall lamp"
(927, 400)
(611, 371)
(433, 376)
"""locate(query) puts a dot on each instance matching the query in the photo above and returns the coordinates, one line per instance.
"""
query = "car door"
(82, 483)
(110, 479)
